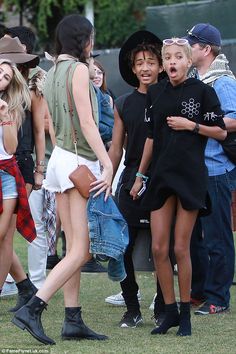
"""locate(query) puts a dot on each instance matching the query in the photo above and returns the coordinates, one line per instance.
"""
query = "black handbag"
(229, 146)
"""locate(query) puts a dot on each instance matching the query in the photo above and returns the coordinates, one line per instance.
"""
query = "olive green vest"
(55, 92)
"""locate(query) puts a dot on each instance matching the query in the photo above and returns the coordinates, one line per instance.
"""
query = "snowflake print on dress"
(190, 108)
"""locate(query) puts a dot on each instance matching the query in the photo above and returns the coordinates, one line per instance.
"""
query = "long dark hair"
(73, 34)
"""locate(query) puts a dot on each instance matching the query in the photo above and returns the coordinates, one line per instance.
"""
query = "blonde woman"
(15, 97)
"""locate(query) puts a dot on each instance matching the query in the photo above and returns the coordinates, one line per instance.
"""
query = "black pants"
(199, 258)
(129, 286)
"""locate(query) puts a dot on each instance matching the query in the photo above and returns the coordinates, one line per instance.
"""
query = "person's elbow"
(222, 134)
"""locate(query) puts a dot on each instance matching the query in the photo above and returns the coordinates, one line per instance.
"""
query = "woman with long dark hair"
(70, 75)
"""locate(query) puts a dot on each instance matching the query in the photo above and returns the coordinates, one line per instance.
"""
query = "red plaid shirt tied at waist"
(24, 221)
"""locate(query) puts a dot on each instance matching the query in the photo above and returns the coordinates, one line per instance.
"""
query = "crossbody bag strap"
(71, 110)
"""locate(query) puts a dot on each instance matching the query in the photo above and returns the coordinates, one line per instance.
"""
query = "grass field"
(211, 334)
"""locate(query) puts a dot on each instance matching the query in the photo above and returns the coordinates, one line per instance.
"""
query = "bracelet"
(39, 172)
(144, 178)
(40, 163)
(196, 128)
(9, 122)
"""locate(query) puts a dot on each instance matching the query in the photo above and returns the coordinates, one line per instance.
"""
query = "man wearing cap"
(212, 68)
(140, 64)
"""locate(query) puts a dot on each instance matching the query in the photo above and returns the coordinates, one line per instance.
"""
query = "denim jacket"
(106, 115)
(108, 233)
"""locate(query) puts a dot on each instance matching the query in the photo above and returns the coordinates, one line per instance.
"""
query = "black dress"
(178, 165)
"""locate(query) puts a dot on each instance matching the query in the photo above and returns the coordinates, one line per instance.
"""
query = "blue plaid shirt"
(215, 158)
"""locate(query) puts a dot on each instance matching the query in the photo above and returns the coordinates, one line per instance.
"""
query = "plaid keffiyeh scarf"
(218, 68)
(49, 218)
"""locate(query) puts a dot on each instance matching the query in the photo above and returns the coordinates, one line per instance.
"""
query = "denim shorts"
(60, 165)
(9, 190)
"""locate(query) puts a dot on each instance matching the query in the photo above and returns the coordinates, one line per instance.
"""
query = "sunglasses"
(190, 33)
(178, 41)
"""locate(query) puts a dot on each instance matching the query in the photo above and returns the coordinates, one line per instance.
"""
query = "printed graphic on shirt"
(146, 119)
(190, 108)
(210, 117)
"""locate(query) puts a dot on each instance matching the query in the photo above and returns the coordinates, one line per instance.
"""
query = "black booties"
(171, 319)
(26, 290)
(29, 318)
(184, 323)
(74, 327)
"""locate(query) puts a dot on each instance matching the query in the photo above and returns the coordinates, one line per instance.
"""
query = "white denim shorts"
(60, 165)
(9, 190)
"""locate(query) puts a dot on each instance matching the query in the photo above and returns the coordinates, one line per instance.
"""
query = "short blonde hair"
(186, 47)
(17, 94)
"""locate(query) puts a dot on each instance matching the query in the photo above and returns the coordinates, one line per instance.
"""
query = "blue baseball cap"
(204, 33)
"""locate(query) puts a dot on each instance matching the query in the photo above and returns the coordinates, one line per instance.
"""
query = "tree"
(114, 20)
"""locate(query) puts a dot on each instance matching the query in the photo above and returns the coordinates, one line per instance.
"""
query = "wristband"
(144, 178)
(9, 122)
(40, 163)
(196, 128)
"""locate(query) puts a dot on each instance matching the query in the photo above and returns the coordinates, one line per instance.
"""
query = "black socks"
(171, 319)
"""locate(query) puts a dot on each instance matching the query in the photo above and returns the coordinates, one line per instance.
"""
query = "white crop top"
(3, 154)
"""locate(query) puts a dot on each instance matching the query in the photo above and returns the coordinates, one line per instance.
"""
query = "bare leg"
(185, 221)
(72, 212)
(161, 221)
(6, 238)
(17, 271)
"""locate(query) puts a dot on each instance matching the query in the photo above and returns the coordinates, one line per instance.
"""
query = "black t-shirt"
(131, 109)
(25, 135)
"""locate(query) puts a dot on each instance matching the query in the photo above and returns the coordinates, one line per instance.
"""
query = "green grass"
(211, 334)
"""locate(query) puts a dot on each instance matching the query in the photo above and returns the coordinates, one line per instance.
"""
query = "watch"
(196, 128)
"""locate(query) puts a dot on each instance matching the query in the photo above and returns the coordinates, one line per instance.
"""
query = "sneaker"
(118, 299)
(131, 320)
(209, 309)
(93, 266)
(151, 307)
(9, 289)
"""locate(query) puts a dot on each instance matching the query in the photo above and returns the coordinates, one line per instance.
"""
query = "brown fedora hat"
(12, 49)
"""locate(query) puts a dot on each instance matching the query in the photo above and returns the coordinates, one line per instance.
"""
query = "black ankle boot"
(29, 317)
(185, 328)
(26, 290)
(171, 319)
(74, 327)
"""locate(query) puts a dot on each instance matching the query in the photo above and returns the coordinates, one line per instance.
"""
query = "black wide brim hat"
(131, 43)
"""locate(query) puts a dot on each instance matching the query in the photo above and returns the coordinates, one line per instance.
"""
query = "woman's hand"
(38, 180)
(104, 183)
(136, 188)
(3, 110)
(180, 123)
